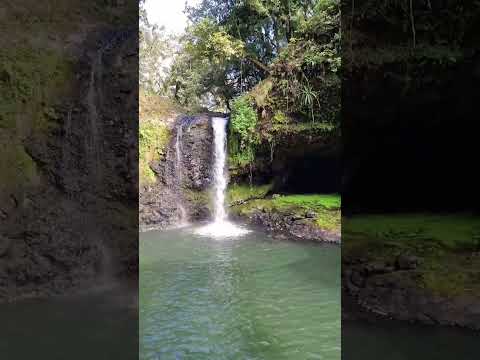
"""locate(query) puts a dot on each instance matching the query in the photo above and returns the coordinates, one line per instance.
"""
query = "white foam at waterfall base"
(223, 229)
(220, 227)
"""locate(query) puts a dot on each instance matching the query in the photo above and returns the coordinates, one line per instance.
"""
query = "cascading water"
(179, 173)
(94, 142)
(219, 176)
(220, 227)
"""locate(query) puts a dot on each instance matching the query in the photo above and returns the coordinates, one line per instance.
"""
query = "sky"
(168, 13)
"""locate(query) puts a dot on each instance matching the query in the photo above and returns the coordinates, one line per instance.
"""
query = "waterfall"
(179, 174)
(220, 227)
(219, 174)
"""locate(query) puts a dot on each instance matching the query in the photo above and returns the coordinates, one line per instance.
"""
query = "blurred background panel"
(410, 221)
(68, 179)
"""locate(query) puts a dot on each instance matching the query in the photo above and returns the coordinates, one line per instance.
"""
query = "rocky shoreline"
(377, 291)
(297, 227)
(285, 227)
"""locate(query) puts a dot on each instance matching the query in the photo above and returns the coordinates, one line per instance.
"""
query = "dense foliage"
(232, 46)
(154, 133)
(243, 134)
(274, 64)
(154, 46)
(423, 33)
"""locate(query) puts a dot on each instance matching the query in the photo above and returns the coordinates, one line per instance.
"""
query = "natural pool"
(100, 323)
(249, 297)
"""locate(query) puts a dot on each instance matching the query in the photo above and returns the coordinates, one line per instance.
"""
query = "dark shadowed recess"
(410, 105)
(306, 166)
(411, 153)
(409, 114)
(314, 172)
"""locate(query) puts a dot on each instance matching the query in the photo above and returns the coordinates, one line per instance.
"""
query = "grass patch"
(155, 108)
(446, 244)
(238, 193)
(305, 128)
(310, 202)
(450, 231)
(156, 116)
(328, 219)
(325, 208)
(451, 275)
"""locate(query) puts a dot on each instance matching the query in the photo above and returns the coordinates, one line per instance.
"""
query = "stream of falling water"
(219, 176)
(179, 174)
(95, 150)
(220, 227)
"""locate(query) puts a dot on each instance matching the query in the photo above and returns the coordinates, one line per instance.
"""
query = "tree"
(233, 45)
(154, 48)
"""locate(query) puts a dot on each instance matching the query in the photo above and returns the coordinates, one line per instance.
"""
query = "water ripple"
(248, 299)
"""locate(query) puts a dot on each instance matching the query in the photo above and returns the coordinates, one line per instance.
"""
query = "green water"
(402, 341)
(246, 298)
(99, 324)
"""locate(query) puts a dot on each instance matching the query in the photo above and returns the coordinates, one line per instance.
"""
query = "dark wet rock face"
(181, 182)
(197, 145)
(4, 245)
(76, 223)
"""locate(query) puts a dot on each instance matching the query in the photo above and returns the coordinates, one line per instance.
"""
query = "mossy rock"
(445, 244)
(31, 82)
(321, 210)
(153, 142)
(18, 171)
(240, 192)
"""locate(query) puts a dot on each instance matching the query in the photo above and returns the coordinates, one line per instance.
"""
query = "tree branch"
(259, 64)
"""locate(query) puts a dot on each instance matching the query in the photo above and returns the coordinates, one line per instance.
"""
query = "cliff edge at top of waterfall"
(156, 108)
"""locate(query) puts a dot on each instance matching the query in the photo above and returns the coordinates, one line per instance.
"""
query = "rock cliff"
(180, 182)
(69, 188)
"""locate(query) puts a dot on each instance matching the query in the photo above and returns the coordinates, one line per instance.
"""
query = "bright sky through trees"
(168, 13)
